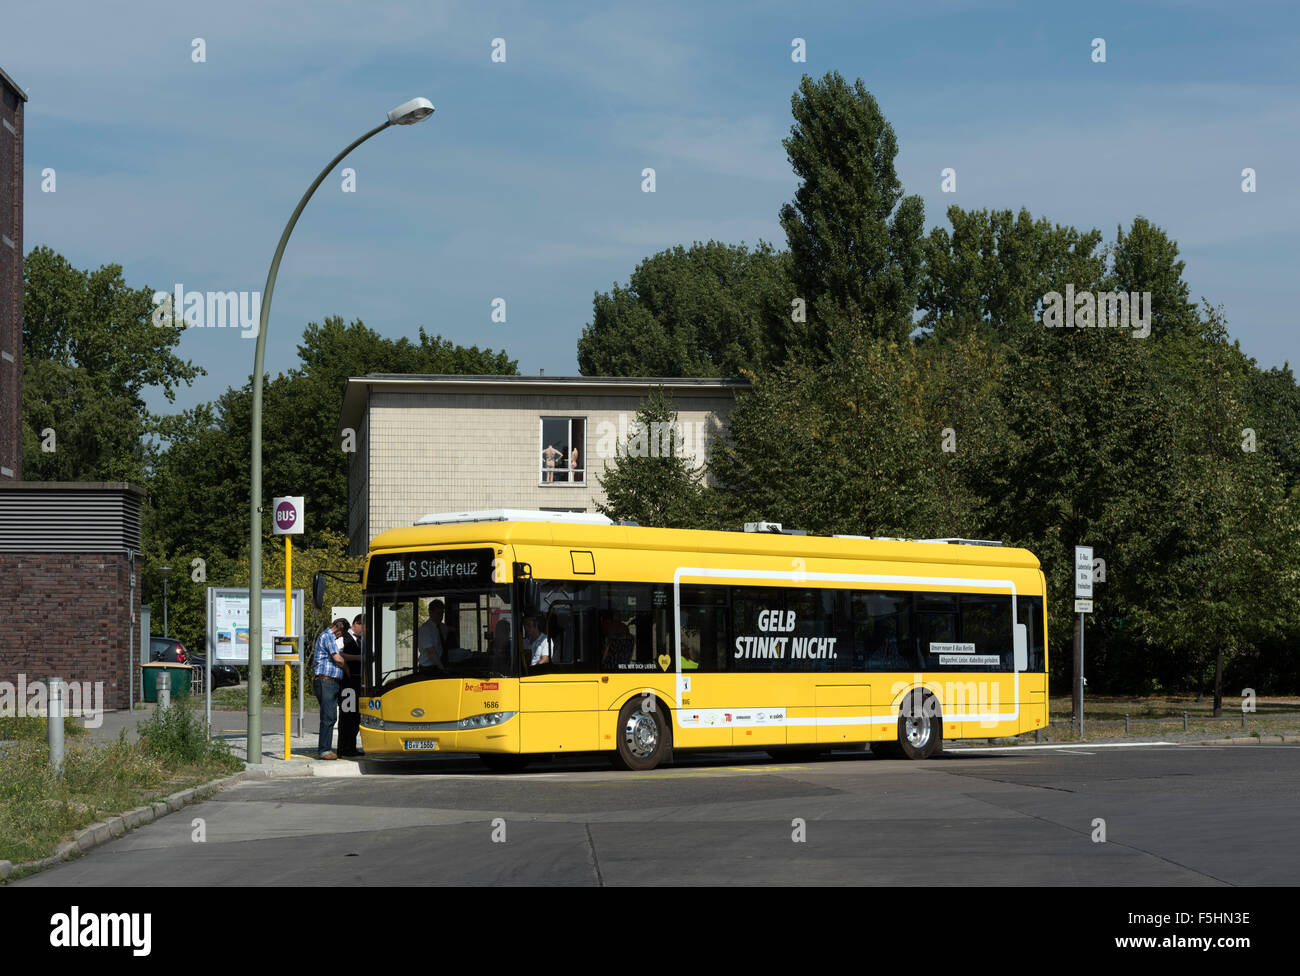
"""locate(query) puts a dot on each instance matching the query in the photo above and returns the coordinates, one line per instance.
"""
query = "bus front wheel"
(920, 726)
(642, 734)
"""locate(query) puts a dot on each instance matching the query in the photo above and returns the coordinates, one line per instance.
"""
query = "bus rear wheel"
(642, 734)
(920, 726)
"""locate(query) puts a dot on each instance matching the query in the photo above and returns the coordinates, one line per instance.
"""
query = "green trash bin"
(180, 674)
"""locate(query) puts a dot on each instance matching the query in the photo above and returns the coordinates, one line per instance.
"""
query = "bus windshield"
(436, 615)
(445, 634)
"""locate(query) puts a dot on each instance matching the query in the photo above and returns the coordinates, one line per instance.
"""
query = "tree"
(1146, 259)
(840, 446)
(994, 268)
(202, 491)
(855, 241)
(652, 481)
(708, 310)
(90, 349)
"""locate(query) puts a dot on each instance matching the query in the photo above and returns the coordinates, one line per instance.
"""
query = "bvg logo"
(417, 713)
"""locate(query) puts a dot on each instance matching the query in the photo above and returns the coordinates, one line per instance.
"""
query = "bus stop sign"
(287, 515)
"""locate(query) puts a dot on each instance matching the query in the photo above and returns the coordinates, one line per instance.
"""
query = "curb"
(1240, 740)
(1246, 740)
(111, 828)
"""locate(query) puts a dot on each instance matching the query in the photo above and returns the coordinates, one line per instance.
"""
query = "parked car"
(172, 651)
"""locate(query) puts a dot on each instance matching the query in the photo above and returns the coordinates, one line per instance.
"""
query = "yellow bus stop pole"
(288, 629)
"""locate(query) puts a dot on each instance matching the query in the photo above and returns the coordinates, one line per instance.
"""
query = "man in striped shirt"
(327, 663)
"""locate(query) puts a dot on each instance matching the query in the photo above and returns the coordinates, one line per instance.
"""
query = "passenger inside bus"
(432, 637)
(537, 643)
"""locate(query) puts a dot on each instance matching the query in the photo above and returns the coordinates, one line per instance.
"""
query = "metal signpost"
(290, 517)
(1082, 605)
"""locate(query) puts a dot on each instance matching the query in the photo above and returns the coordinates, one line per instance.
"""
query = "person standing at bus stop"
(327, 683)
(350, 705)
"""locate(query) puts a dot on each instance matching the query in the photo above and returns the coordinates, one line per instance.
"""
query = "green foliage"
(648, 485)
(708, 310)
(175, 735)
(90, 349)
(995, 267)
(855, 240)
(37, 811)
(1146, 259)
(199, 496)
(14, 727)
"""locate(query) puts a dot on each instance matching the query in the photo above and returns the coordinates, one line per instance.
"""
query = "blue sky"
(526, 184)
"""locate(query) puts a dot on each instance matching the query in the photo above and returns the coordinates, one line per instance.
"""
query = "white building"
(425, 444)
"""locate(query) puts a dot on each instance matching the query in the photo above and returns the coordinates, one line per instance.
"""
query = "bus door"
(558, 697)
(707, 692)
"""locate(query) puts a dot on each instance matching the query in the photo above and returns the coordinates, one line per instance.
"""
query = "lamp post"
(408, 113)
(165, 571)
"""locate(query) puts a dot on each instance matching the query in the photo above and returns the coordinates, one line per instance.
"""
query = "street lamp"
(408, 113)
(165, 571)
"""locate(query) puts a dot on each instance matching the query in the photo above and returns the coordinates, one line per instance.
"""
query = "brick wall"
(67, 614)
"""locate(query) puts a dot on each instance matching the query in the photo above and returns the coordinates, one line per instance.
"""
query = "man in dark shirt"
(350, 708)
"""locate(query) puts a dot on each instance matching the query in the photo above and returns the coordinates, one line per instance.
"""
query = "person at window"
(433, 637)
(573, 464)
(549, 457)
(536, 642)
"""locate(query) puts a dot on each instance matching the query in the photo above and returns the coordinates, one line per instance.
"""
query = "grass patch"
(27, 728)
(1162, 717)
(37, 811)
(236, 699)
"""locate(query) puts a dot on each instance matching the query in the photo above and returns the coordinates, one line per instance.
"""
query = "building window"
(563, 455)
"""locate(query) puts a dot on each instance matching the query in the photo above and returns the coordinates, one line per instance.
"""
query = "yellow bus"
(517, 634)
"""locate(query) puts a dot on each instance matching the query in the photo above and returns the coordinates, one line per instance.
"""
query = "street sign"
(288, 515)
(1083, 606)
(1083, 572)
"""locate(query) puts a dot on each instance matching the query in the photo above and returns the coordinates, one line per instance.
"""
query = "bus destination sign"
(423, 572)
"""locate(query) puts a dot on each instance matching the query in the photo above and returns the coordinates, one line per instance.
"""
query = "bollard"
(164, 688)
(1184, 721)
(1038, 735)
(1243, 718)
(1126, 728)
(54, 722)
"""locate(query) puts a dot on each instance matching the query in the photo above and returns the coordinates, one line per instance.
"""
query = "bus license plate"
(430, 745)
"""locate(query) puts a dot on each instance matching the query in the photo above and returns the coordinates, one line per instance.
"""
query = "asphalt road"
(1174, 815)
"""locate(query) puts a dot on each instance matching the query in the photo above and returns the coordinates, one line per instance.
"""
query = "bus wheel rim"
(641, 735)
(917, 731)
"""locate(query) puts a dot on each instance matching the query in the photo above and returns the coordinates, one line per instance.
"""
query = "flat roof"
(13, 84)
(354, 397)
(69, 487)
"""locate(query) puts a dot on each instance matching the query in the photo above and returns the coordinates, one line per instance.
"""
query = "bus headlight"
(484, 721)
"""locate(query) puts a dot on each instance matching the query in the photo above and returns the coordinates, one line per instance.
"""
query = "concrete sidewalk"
(232, 727)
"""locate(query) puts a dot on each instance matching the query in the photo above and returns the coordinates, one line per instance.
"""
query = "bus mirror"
(1022, 647)
(318, 590)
